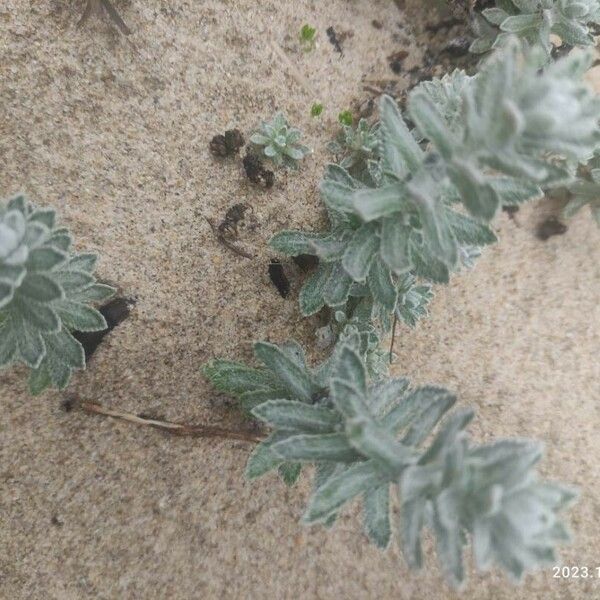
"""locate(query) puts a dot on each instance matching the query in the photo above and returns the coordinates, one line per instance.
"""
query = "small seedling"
(346, 118)
(316, 110)
(279, 142)
(307, 37)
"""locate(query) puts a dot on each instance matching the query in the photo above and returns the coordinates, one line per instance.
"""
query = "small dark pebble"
(377, 24)
(279, 278)
(306, 262)
(550, 227)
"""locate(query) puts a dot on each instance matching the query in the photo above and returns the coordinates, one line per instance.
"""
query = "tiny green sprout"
(316, 109)
(345, 118)
(307, 36)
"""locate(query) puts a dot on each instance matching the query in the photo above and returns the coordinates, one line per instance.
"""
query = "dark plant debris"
(228, 144)
(227, 230)
(550, 227)
(99, 6)
(334, 40)
(279, 278)
(115, 311)
(256, 172)
(396, 59)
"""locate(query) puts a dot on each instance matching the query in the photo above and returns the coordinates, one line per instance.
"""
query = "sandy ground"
(114, 133)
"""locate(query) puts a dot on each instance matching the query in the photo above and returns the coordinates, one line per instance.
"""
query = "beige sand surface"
(114, 133)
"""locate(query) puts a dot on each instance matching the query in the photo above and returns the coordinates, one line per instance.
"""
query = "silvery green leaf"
(263, 459)
(311, 294)
(348, 399)
(520, 23)
(427, 266)
(376, 503)
(513, 191)
(80, 317)
(400, 152)
(412, 517)
(41, 288)
(83, 262)
(431, 124)
(97, 292)
(387, 394)
(361, 251)
(338, 286)
(373, 204)
(293, 243)
(8, 346)
(31, 345)
(350, 369)
(331, 248)
(71, 280)
(41, 317)
(298, 416)
(381, 285)
(468, 231)
(395, 239)
(6, 293)
(39, 380)
(289, 472)
(236, 378)
(448, 535)
(339, 489)
(44, 259)
(375, 442)
(295, 379)
(478, 196)
(495, 15)
(65, 348)
(436, 402)
(436, 231)
(329, 447)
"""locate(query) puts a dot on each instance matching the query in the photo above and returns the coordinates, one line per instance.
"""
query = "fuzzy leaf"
(295, 379)
(298, 416)
(360, 252)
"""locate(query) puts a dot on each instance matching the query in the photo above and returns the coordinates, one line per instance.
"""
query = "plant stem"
(181, 429)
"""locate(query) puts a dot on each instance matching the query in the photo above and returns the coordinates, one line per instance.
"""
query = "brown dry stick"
(180, 429)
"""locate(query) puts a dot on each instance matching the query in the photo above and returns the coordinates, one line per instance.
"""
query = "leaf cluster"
(371, 441)
(279, 142)
(534, 21)
(45, 293)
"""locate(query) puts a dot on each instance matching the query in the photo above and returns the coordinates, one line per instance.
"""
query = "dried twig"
(180, 429)
(229, 244)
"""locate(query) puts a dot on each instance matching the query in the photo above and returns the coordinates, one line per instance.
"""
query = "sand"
(114, 133)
